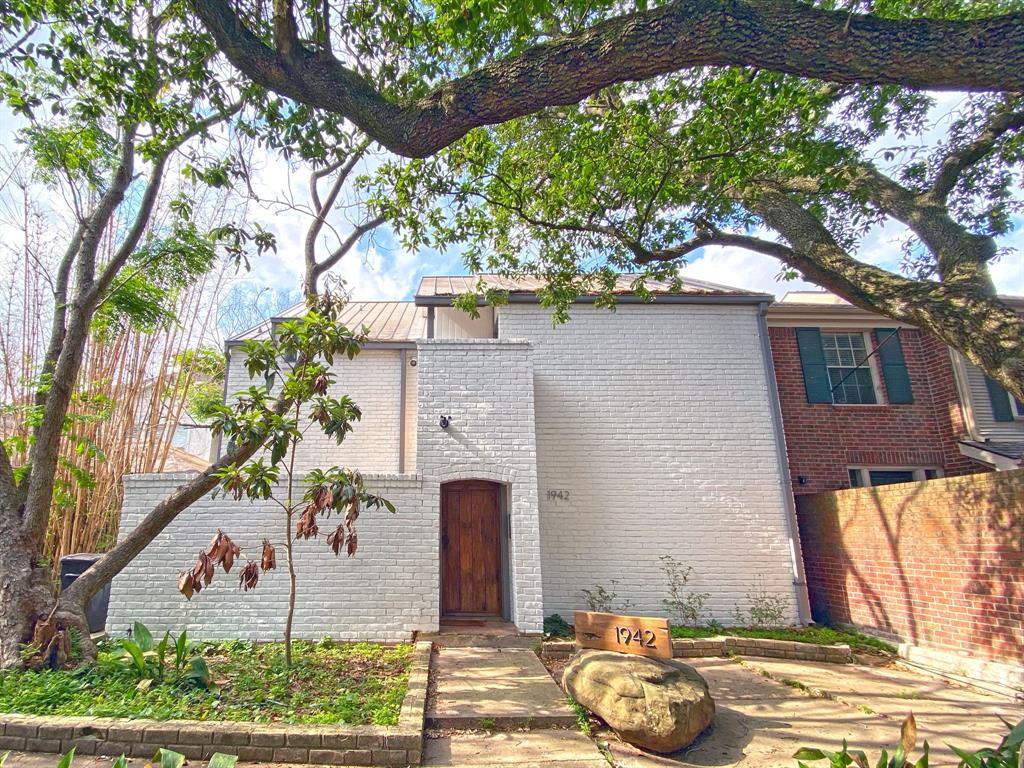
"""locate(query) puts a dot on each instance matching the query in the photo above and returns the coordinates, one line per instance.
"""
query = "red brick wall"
(823, 440)
(938, 563)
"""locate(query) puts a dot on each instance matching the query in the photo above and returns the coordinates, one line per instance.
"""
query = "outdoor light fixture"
(445, 421)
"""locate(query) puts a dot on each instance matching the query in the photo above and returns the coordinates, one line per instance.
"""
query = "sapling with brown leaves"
(295, 367)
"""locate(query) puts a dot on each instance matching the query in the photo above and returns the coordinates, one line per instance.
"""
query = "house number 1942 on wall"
(558, 494)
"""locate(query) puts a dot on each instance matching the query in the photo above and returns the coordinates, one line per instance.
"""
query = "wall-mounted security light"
(445, 421)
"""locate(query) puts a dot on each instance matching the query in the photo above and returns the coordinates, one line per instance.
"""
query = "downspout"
(403, 362)
(788, 500)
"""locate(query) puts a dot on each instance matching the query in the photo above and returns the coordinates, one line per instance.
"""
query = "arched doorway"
(471, 549)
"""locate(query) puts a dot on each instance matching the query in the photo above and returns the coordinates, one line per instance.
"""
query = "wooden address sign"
(625, 634)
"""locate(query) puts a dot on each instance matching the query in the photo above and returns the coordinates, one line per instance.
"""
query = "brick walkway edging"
(397, 745)
(688, 648)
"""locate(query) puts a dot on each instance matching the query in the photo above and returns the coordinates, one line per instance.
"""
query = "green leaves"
(1006, 755)
(166, 758)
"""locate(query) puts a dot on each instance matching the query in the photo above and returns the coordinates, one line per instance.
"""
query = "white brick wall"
(657, 422)
(384, 592)
(486, 386)
(372, 380)
(654, 422)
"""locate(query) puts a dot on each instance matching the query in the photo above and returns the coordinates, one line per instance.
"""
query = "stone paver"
(529, 749)
(504, 687)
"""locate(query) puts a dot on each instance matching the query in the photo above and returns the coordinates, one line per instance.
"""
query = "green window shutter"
(1000, 400)
(894, 366)
(812, 360)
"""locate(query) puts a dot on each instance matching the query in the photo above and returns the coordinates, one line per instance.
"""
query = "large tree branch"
(963, 313)
(642, 255)
(956, 162)
(781, 35)
(315, 269)
(322, 209)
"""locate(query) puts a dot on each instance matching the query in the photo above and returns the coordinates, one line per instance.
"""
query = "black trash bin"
(73, 566)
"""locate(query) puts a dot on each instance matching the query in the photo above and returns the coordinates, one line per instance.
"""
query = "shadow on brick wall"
(937, 563)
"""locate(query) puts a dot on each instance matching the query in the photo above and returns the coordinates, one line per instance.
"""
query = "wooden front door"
(470, 549)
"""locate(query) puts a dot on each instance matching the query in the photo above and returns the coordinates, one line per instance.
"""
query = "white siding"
(451, 323)
(981, 407)
(656, 422)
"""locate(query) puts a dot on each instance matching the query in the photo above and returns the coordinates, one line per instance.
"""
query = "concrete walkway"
(760, 722)
(495, 688)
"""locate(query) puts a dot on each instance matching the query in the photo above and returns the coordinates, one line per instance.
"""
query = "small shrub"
(148, 660)
(764, 609)
(601, 600)
(556, 626)
(686, 607)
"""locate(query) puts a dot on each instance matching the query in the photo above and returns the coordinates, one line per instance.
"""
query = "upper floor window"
(1005, 407)
(848, 367)
(850, 374)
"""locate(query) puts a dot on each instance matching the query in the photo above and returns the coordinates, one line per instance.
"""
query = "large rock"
(661, 705)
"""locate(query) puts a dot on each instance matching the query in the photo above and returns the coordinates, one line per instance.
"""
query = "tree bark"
(782, 35)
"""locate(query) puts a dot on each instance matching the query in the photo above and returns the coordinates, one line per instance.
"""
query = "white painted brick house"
(574, 455)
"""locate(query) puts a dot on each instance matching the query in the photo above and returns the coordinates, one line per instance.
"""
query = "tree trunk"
(24, 591)
(291, 591)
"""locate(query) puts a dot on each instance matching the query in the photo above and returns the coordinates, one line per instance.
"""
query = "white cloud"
(740, 268)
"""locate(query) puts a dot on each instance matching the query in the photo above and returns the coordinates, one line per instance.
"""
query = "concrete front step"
(469, 640)
(495, 689)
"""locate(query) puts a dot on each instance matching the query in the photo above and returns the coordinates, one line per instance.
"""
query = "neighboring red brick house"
(867, 401)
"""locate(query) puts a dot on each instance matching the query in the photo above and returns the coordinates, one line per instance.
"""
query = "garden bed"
(356, 684)
(346, 704)
(805, 643)
(813, 635)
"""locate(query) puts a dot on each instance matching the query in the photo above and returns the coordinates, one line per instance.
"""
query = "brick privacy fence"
(938, 563)
(822, 440)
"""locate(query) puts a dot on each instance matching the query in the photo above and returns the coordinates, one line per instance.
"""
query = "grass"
(358, 684)
(582, 716)
(815, 635)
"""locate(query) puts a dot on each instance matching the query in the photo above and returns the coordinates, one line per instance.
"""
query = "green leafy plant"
(684, 605)
(601, 600)
(148, 660)
(556, 626)
(1006, 755)
(763, 608)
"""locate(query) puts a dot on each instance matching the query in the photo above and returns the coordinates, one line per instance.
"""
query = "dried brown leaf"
(336, 539)
(249, 576)
(185, 584)
(908, 735)
(215, 543)
(352, 543)
(268, 561)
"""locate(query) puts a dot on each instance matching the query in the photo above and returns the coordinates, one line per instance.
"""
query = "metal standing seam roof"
(456, 285)
(394, 321)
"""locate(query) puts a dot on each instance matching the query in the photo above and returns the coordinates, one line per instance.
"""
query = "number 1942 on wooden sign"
(645, 636)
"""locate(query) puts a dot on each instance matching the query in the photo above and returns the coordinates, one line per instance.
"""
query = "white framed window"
(869, 477)
(851, 373)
